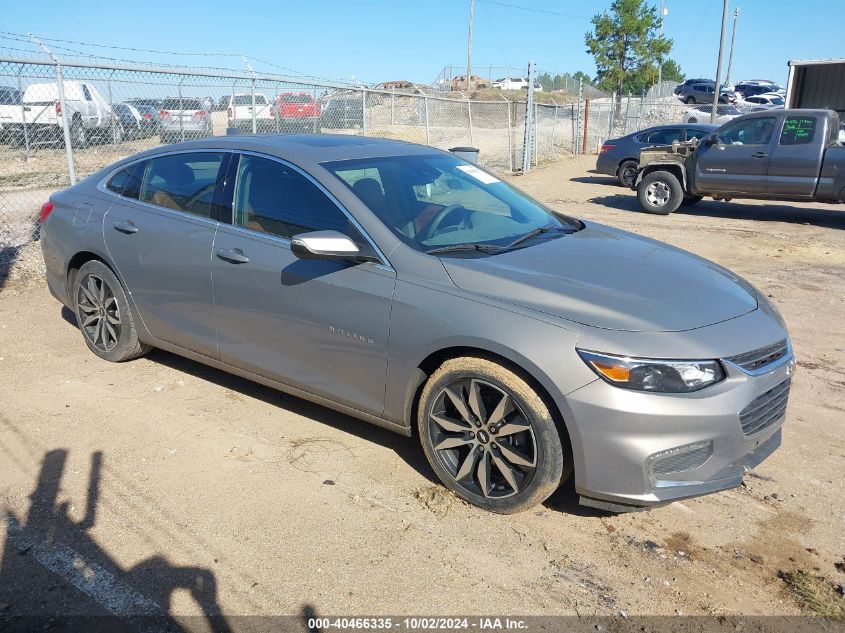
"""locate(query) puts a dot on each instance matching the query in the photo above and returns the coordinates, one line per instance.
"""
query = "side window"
(184, 182)
(756, 131)
(271, 197)
(665, 137)
(696, 134)
(86, 92)
(127, 182)
(798, 130)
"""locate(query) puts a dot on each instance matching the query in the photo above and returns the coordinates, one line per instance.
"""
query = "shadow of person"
(54, 574)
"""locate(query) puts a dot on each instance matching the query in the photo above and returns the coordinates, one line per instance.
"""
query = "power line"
(534, 10)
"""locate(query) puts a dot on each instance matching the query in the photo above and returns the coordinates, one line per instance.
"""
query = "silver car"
(185, 118)
(401, 285)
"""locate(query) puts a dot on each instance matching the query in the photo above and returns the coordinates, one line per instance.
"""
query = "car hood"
(609, 279)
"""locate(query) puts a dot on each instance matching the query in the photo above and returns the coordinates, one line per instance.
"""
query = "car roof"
(302, 148)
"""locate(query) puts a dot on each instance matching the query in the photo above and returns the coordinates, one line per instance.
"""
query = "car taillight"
(164, 114)
(58, 108)
(148, 116)
(606, 148)
(199, 114)
(46, 210)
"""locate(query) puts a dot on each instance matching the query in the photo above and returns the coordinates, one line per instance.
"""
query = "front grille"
(681, 459)
(759, 358)
(765, 409)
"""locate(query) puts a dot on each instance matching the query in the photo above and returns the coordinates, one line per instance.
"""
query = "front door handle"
(232, 255)
(127, 227)
(759, 155)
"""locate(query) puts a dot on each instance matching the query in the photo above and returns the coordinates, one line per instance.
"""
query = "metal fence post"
(530, 132)
(610, 118)
(314, 118)
(586, 124)
(181, 112)
(510, 137)
(640, 113)
(364, 112)
(577, 139)
(252, 95)
(427, 130)
(469, 118)
(627, 112)
(23, 115)
(111, 110)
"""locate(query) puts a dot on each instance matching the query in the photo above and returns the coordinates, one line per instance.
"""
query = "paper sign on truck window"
(475, 172)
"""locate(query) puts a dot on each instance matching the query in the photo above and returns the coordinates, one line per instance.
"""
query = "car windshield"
(776, 100)
(442, 203)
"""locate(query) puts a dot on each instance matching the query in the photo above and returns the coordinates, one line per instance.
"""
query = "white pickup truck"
(239, 112)
(42, 115)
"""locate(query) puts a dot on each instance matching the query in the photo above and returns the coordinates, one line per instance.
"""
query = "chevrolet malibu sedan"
(408, 288)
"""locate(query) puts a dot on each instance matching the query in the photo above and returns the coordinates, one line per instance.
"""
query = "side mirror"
(711, 139)
(323, 245)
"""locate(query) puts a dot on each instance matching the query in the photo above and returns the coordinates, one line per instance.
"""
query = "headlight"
(656, 375)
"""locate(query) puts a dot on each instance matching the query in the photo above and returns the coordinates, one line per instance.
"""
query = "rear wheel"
(660, 192)
(489, 437)
(103, 314)
(690, 99)
(78, 135)
(627, 172)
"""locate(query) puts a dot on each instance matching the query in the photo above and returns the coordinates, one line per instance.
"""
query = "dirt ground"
(171, 487)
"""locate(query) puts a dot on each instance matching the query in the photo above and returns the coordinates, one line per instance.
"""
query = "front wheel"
(660, 192)
(489, 437)
(78, 134)
(103, 314)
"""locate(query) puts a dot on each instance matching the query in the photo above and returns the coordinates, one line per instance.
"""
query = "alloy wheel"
(482, 438)
(98, 311)
(658, 193)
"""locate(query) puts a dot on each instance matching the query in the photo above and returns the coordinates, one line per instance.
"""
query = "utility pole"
(717, 88)
(663, 13)
(469, 48)
(731, 55)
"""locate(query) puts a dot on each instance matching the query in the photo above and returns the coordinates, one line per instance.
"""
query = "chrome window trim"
(765, 369)
(384, 263)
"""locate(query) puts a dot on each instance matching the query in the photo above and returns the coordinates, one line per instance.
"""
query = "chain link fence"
(62, 122)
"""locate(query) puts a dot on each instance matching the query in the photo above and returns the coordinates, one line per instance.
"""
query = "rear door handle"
(127, 227)
(233, 255)
(759, 155)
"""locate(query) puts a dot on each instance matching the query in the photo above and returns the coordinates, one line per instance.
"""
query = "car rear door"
(739, 162)
(316, 325)
(160, 239)
(797, 156)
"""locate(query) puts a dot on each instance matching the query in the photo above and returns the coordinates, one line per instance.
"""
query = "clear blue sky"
(377, 40)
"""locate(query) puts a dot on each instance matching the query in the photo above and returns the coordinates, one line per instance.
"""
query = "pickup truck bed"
(772, 155)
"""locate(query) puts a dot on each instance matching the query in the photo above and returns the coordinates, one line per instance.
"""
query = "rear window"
(9, 97)
(186, 104)
(127, 182)
(798, 130)
(296, 99)
(184, 182)
(242, 100)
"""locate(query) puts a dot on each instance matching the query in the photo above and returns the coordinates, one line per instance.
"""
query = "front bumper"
(647, 449)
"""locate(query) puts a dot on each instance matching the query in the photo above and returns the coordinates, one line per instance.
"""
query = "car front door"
(160, 235)
(316, 325)
(739, 161)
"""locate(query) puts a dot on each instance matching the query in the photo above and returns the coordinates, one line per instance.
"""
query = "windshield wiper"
(468, 246)
(532, 234)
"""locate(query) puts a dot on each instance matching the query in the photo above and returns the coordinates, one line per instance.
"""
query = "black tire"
(660, 193)
(523, 442)
(627, 173)
(691, 200)
(689, 100)
(78, 134)
(97, 294)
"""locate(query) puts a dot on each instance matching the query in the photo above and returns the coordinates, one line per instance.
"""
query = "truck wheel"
(691, 200)
(690, 100)
(78, 135)
(660, 192)
(489, 436)
(627, 172)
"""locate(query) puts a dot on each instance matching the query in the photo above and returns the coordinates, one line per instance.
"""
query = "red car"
(298, 110)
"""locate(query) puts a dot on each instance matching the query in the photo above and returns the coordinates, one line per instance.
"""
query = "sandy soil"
(213, 494)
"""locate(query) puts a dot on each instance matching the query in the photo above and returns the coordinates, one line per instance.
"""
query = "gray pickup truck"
(771, 155)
